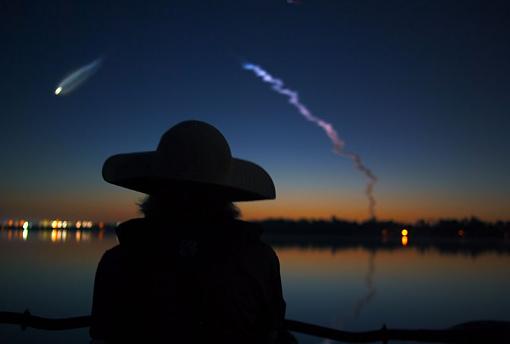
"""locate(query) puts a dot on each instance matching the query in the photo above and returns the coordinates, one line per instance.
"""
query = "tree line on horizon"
(468, 227)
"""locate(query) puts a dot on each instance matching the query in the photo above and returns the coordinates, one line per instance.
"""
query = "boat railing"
(470, 332)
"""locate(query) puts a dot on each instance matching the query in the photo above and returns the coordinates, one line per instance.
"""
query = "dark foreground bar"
(472, 332)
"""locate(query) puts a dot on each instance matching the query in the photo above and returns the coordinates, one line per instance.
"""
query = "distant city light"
(405, 232)
(86, 224)
(45, 223)
(57, 223)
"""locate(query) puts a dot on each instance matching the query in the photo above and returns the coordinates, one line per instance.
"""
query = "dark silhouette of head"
(188, 207)
(191, 176)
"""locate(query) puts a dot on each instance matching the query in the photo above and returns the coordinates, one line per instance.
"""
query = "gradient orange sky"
(419, 92)
(113, 204)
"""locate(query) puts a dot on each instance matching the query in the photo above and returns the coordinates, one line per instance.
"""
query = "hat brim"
(245, 180)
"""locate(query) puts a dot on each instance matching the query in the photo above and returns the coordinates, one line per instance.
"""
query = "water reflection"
(466, 246)
(370, 286)
(460, 244)
(54, 235)
(405, 240)
(351, 283)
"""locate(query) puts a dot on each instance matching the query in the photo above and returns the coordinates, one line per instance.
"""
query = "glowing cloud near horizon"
(338, 144)
(74, 80)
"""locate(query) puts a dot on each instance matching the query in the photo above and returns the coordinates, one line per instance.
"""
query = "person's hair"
(189, 208)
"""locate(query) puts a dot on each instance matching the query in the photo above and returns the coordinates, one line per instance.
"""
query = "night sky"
(420, 89)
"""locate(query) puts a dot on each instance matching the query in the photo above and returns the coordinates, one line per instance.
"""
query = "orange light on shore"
(405, 232)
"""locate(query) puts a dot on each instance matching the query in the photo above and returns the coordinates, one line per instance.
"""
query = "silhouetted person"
(189, 271)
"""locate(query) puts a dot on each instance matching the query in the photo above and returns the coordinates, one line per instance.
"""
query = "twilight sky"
(420, 89)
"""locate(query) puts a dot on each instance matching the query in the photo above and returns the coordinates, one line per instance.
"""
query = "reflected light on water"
(405, 240)
(54, 235)
(58, 235)
(356, 288)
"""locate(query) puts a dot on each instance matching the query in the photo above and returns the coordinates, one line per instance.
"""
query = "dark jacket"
(189, 284)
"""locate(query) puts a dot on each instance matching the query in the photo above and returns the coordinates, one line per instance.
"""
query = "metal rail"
(472, 332)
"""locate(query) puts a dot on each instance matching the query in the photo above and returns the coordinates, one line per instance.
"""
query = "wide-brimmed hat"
(195, 155)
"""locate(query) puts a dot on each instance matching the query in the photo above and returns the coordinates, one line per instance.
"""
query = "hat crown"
(195, 150)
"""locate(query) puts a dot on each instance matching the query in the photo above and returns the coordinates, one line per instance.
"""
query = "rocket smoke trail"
(74, 80)
(338, 143)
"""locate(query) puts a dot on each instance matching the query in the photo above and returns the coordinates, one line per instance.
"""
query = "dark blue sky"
(420, 89)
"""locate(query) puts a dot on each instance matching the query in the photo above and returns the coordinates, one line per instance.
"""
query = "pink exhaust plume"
(338, 144)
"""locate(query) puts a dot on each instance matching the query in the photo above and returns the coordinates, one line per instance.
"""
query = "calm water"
(351, 288)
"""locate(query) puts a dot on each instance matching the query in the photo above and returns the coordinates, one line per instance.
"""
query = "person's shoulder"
(251, 231)
(110, 262)
(255, 245)
(126, 231)
(111, 255)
